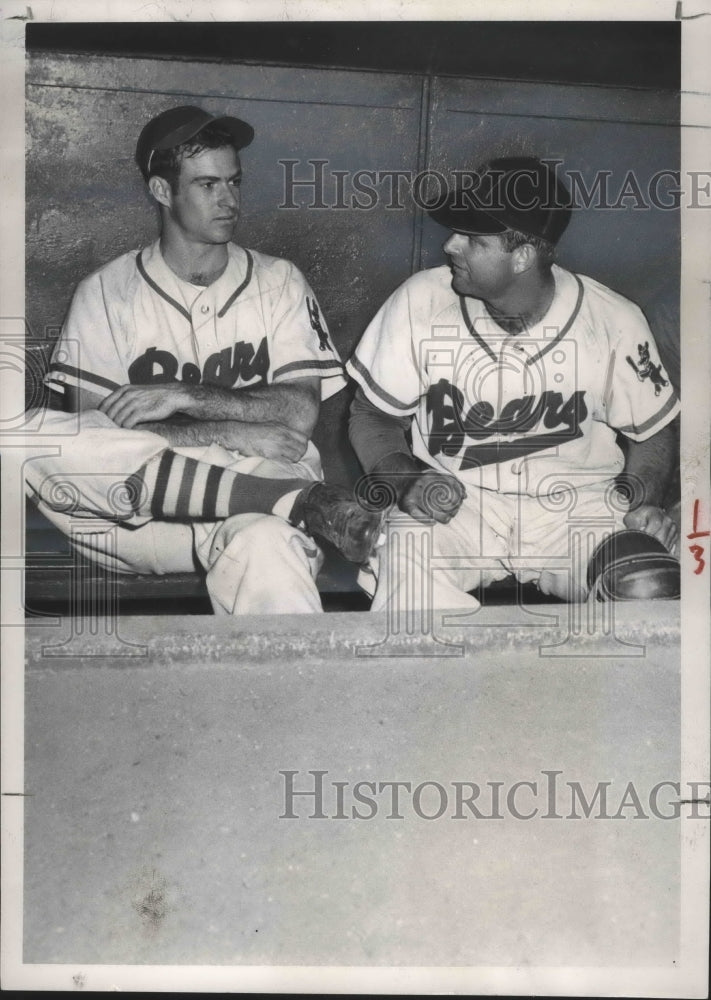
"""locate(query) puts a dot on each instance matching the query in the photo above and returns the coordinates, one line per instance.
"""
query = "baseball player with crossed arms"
(198, 368)
(490, 393)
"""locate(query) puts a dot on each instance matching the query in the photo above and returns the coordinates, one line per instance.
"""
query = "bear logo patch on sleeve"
(646, 370)
(315, 318)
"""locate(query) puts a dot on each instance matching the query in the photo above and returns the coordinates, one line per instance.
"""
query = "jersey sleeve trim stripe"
(322, 366)
(362, 375)
(671, 405)
(79, 376)
(156, 288)
(562, 333)
(240, 288)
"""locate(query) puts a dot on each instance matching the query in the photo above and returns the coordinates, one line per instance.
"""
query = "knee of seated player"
(404, 536)
(263, 535)
(560, 585)
(398, 519)
(409, 541)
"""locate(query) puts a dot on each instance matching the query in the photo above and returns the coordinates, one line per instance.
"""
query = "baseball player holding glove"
(198, 367)
(490, 395)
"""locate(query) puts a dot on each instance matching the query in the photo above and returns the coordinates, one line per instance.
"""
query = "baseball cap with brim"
(521, 193)
(178, 125)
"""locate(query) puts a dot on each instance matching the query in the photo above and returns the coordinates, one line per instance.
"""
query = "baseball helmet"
(632, 565)
(177, 125)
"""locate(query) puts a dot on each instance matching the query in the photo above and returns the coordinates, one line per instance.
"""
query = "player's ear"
(524, 258)
(161, 190)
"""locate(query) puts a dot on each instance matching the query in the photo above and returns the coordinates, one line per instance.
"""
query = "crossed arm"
(275, 421)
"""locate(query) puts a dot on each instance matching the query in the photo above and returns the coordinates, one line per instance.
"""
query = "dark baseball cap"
(521, 193)
(177, 125)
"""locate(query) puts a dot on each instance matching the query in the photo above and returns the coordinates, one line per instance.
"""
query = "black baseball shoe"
(332, 513)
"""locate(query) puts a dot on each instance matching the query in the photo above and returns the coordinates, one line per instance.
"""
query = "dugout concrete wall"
(86, 202)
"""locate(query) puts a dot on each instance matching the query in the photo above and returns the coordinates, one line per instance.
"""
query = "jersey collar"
(567, 300)
(224, 292)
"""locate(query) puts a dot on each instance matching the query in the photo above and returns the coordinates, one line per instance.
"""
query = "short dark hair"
(512, 238)
(166, 162)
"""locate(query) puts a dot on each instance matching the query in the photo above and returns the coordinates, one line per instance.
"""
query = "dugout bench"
(59, 581)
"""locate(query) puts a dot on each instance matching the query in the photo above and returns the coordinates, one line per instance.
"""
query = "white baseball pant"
(547, 542)
(255, 563)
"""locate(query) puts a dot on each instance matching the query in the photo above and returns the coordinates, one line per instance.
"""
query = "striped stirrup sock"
(172, 487)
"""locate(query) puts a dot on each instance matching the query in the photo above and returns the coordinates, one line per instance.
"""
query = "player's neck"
(525, 304)
(200, 264)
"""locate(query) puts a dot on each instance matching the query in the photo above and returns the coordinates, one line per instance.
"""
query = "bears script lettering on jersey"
(135, 321)
(504, 412)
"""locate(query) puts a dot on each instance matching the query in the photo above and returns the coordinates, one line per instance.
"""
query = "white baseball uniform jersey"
(135, 321)
(515, 414)
(531, 419)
